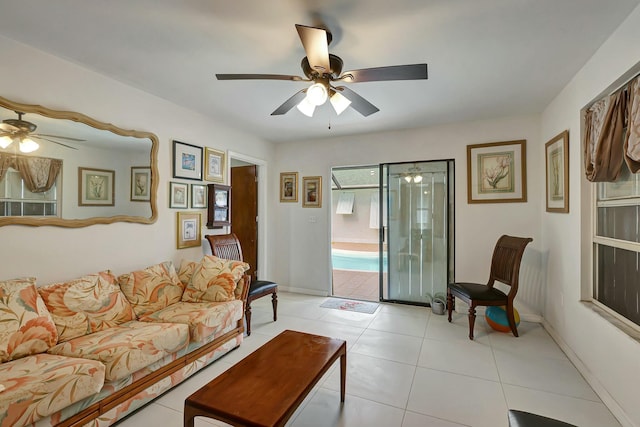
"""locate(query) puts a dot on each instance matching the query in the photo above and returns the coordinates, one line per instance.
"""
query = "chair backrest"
(505, 263)
(225, 246)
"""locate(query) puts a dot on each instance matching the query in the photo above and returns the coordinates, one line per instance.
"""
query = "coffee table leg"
(343, 374)
(188, 416)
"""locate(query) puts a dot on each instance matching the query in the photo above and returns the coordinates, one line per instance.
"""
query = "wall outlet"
(313, 219)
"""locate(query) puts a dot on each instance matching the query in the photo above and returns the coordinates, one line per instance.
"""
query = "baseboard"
(306, 291)
(595, 384)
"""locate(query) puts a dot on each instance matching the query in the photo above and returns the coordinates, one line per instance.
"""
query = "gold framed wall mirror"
(44, 158)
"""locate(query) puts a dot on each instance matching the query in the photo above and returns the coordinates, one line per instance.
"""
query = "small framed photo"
(289, 187)
(557, 173)
(178, 195)
(214, 165)
(140, 183)
(96, 187)
(497, 172)
(198, 196)
(312, 192)
(187, 161)
(188, 230)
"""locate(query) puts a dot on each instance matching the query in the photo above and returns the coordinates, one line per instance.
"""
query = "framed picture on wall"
(198, 196)
(497, 172)
(214, 165)
(178, 195)
(188, 230)
(187, 161)
(289, 187)
(312, 192)
(557, 173)
(96, 187)
(140, 183)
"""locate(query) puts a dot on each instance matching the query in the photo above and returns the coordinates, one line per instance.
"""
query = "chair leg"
(472, 320)
(450, 302)
(274, 303)
(512, 319)
(247, 315)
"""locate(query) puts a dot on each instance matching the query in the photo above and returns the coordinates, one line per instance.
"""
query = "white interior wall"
(54, 253)
(609, 357)
(306, 231)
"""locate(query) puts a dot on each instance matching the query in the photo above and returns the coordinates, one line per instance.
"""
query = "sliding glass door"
(416, 240)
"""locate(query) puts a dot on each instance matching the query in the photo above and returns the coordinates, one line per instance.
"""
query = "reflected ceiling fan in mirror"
(324, 70)
(21, 132)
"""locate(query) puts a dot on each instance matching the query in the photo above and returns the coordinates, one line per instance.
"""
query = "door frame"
(262, 172)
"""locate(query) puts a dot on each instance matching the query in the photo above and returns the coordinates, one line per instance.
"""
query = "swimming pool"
(356, 260)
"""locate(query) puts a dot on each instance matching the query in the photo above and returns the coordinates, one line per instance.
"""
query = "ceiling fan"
(325, 69)
(21, 131)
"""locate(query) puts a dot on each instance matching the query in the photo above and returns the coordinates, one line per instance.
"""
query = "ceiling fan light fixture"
(339, 102)
(28, 145)
(5, 141)
(317, 94)
(417, 178)
(306, 107)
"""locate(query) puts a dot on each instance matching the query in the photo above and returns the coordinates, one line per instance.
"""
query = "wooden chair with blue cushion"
(227, 246)
(505, 268)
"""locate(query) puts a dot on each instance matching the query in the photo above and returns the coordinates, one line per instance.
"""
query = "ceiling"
(487, 58)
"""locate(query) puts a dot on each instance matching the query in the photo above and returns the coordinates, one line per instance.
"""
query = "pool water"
(356, 260)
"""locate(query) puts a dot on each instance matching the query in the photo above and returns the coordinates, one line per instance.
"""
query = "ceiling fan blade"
(51, 140)
(290, 103)
(58, 137)
(258, 77)
(316, 45)
(6, 127)
(394, 72)
(358, 103)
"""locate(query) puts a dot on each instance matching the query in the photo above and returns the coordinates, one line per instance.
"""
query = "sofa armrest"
(245, 282)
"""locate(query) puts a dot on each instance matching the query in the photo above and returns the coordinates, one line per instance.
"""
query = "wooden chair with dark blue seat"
(227, 246)
(505, 268)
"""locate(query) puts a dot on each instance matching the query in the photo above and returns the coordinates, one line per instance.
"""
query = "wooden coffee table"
(266, 387)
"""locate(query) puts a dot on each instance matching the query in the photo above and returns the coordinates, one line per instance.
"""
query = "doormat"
(350, 305)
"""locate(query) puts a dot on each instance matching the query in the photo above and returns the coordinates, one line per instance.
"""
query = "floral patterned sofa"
(93, 349)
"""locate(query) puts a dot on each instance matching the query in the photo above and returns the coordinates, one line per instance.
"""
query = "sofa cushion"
(152, 289)
(26, 326)
(206, 320)
(214, 279)
(127, 348)
(40, 385)
(186, 271)
(85, 305)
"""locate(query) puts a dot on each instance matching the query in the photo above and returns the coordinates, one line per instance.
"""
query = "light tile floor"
(410, 368)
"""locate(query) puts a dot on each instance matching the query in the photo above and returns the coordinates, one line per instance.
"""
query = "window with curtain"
(612, 161)
(29, 186)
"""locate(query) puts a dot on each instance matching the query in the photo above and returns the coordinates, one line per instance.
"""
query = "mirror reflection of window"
(17, 200)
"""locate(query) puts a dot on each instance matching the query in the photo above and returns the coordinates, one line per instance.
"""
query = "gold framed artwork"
(188, 230)
(289, 187)
(497, 172)
(214, 165)
(312, 192)
(140, 183)
(96, 187)
(198, 196)
(557, 173)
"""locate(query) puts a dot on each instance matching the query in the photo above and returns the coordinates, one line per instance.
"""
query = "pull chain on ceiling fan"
(323, 69)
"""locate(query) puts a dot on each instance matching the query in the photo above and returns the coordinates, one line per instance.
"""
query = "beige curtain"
(632, 142)
(604, 123)
(5, 163)
(39, 173)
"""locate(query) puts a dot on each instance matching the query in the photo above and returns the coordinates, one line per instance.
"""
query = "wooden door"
(244, 212)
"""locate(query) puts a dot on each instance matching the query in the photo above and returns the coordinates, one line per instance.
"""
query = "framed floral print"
(198, 196)
(497, 172)
(140, 183)
(214, 165)
(557, 173)
(96, 187)
(178, 195)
